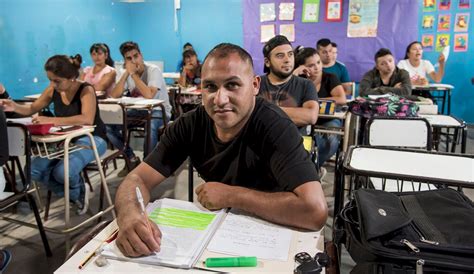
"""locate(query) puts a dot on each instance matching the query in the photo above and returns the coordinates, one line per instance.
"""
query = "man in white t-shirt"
(138, 79)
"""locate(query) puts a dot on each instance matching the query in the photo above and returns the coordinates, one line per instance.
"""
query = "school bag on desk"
(410, 232)
(383, 105)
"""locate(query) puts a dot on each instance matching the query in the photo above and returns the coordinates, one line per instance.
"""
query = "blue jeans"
(114, 132)
(327, 143)
(51, 172)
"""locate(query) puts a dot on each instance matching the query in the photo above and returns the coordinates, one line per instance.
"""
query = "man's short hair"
(225, 49)
(323, 43)
(128, 46)
(189, 53)
(334, 45)
(271, 44)
(382, 52)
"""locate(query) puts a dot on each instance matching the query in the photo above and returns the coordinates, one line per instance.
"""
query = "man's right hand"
(7, 105)
(134, 238)
(130, 67)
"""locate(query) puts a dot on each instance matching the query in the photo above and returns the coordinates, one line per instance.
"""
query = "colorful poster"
(428, 22)
(333, 10)
(442, 40)
(444, 4)
(461, 22)
(310, 11)
(363, 18)
(267, 32)
(287, 11)
(444, 22)
(288, 30)
(429, 5)
(464, 4)
(267, 12)
(427, 41)
(460, 42)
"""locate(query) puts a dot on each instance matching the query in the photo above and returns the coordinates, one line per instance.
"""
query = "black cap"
(273, 43)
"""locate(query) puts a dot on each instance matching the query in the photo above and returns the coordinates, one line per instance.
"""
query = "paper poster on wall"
(460, 42)
(310, 11)
(428, 22)
(267, 32)
(287, 11)
(288, 30)
(267, 12)
(442, 40)
(461, 22)
(363, 18)
(429, 5)
(427, 42)
(464, 4)
(333, 10)
(444, 4)
(444, 22)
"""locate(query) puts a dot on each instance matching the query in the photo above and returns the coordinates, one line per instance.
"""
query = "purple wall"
(397, 27)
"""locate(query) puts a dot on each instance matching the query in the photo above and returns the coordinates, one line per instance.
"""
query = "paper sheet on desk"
(244, 235)
(24, 121)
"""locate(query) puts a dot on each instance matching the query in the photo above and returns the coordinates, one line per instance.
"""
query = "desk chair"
(19, 146)
(399, 132)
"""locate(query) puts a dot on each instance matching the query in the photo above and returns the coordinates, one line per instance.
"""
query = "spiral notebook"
(186, 230)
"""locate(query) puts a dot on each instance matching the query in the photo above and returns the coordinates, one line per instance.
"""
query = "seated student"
(308, 64)
(191, 73)
(328, 53)
(186, 47)
(102, 74)
(419, 68)
(246, 149)
(296, 96)
(138, 79)
(385, 77)
(74, 104)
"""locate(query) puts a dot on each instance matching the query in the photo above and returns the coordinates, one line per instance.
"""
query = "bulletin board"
(397, 27)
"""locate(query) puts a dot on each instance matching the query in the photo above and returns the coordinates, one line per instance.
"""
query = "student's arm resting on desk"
(117, 91)
(134, 239)
(305, 115)
(304, 207)
(106, 81)
(29, 109)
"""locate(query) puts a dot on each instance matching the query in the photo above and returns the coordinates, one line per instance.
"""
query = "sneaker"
(322, 173)
(82, 203)
(6, 258)
(134, 162)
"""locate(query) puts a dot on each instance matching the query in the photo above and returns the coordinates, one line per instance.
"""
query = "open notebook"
(186, 230)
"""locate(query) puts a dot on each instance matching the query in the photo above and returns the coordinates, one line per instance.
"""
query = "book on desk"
(188, 229)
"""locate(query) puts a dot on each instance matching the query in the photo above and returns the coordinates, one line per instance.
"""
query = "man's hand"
(7, 105)
(398, 85)
(131, 68)
(214, 195)
(134, 238)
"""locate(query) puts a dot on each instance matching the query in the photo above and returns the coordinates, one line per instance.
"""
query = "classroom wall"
(31, 31)
(459, 67)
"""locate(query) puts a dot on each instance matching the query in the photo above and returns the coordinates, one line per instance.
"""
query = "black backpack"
(397, 232)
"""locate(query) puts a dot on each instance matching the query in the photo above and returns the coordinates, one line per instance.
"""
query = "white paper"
(244, 235)
(375, 97)
(287, 11)
(445, 52)
(24, 121)
(267, 32)
(33, 96)
(267, 12)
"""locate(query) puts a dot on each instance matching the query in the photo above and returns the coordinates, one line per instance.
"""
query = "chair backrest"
(398, 132)
(17, 140)
(111, 114)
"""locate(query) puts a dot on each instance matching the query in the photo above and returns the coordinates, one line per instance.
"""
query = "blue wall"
(459, 67)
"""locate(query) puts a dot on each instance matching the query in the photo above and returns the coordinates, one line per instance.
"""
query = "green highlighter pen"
(231, 261)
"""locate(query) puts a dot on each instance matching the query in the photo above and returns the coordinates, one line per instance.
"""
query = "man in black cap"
(296, 96)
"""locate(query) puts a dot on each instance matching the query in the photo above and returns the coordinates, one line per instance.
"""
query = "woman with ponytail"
(75, 103)
(102, 74)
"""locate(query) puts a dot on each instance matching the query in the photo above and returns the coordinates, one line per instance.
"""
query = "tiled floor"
(27, 249)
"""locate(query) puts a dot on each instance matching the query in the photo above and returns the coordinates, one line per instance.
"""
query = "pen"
(142, 205)
(231, 261)
(93, 253)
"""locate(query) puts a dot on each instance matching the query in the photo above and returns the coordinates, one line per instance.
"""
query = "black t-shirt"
(267, 154)
(328, 82)
(293, 93)
(75, 108)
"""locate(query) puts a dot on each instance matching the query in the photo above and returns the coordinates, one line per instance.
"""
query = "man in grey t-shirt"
(296, 96)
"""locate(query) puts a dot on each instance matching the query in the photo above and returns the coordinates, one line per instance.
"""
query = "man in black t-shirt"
(247, 150)
(296, 96)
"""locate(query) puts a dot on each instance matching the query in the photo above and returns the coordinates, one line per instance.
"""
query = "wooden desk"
(443, 88)
(301, 241)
